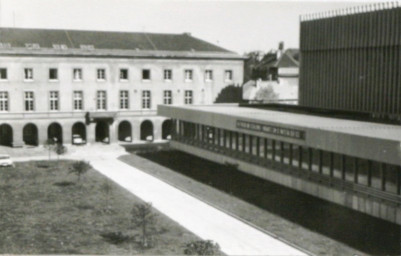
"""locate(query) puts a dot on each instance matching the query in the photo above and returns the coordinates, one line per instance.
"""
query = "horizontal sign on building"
(269, 129)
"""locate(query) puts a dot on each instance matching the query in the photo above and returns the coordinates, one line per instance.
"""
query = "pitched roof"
(18, 37)
(111, 42)
(288, 59)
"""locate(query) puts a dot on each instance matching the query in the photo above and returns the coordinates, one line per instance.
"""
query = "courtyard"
(46, 210)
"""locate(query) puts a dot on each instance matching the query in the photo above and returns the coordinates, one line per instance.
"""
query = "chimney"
(280, 49)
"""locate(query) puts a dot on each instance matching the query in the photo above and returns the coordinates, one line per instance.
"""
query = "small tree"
(144, 219)
(60, 149)
(107, 188)
(80, 168)
(202, 247)
(49, 144)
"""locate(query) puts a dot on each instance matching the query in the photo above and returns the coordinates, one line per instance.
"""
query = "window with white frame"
(3, 101)
(228, 75)
(54, 100)
(77, 74)
(101, 74)
(53, 74)
(101, 100)
(209, 75)
(29, 101)
(188, 99)
(146, 99)
(123, 74)
(78, 100)
(188, 75)
(124, 100)
(3, 74)
(167, 97)
(28, 74)
(168, 74)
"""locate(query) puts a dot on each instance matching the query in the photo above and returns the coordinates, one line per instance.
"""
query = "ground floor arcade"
(73, 130)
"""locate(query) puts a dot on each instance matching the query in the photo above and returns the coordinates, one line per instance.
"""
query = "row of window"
(123, 76)
(101, 100)
(377, 175)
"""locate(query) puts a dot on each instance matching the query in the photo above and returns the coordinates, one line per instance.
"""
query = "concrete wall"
(359, 202)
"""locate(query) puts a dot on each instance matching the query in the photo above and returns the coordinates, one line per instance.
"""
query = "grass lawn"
(44, 210)
(318, 226)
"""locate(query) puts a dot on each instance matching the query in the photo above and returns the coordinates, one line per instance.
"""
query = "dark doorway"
(124, 131)
(102, 132)
(147, 130)
(78, 133)
(6, 135)
(55, 132)
(30, 135)
(166, 130)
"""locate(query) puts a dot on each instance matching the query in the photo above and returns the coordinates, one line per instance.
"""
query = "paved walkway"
(233, 236)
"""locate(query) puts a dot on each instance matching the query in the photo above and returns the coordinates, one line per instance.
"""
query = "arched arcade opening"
(6, 135)
(166, 129)
(55, 132)
(78, 132)
(147, 130)
(30, 135)
(125, 131)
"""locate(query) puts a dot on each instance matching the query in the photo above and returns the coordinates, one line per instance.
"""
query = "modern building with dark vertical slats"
(352, 61)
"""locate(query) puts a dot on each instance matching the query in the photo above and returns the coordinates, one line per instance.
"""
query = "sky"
(240, 26)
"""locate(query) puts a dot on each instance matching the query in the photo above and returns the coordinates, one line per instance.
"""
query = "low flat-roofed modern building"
(352, 72)
(352, 163)
(103, 86)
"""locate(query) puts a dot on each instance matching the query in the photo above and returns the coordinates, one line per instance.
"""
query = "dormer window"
(32, 46)
(5, 45)
(60, 46)
(87, 47)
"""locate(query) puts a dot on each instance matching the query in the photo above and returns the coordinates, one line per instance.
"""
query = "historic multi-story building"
(103, 86)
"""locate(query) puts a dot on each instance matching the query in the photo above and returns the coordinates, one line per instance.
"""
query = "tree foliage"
(79, 168)
(144, 219)
(266, 93)
(230, 94)
(202, 247)
(60, 149)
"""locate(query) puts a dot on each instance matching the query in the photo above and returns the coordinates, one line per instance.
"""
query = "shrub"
(115, 237)
(80, 168)
(144, 219)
